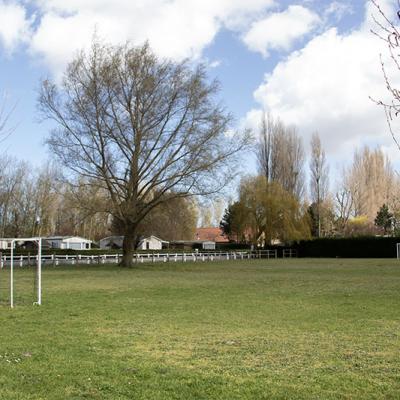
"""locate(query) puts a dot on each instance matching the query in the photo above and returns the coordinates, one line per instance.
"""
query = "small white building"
(152, 243)
(5, 244)
(208, 245)
(149, 243)
(68, 242)
(111, 242)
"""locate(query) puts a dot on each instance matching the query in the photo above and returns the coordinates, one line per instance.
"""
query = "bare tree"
(264, 147)
(319, 176)
(389, 33)
(175, 219)
(371, 181)
(280, 155)
(139, 127)
(344, 205)
(367, 184)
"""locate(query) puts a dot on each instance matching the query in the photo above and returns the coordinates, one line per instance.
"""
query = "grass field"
(279, 329)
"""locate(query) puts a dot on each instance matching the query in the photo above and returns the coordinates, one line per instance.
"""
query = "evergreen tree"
(234, 222)
(384, 218)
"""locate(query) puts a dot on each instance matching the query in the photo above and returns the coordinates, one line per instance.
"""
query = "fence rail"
(62, 259)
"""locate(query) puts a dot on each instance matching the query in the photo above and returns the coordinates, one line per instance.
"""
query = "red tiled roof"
(212, 234)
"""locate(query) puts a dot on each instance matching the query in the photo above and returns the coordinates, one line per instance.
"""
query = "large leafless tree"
(140, 128)
(280, 155)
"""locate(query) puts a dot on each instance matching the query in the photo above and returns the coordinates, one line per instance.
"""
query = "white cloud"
(280, 30)
(14, 25)
(215, 64)
(174, 28)
(337, 9)
(326, 87)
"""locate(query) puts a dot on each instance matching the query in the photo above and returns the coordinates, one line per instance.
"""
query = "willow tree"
(272, 212)
(141, 128)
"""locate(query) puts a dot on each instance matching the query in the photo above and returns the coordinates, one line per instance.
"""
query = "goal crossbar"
(38, 240)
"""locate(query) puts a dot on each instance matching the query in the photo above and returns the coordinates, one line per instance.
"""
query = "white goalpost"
(38, 277)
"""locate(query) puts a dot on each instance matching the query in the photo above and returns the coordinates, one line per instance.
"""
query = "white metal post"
(39, 287)
(12, 276)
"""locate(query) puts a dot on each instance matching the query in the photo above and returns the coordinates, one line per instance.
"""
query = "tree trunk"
(128, 247)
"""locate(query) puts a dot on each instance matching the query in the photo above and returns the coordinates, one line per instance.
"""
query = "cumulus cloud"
(14, 25)
(174, 28)
(280, 30)
(326, 86)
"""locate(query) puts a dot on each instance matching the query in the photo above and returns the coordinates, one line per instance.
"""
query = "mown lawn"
(278, 329)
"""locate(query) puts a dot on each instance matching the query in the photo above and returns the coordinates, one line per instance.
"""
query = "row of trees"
(275, 205)
(40, 202)
(137, 136)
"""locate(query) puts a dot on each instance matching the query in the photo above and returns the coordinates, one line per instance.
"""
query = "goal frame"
(38, 240)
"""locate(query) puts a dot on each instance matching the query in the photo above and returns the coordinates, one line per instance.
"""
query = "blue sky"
(313, 63)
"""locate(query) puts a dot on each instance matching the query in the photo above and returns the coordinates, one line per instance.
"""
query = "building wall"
(150, 244)
(72, 243)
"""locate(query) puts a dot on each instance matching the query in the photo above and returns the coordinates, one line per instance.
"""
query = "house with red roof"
(210, 234)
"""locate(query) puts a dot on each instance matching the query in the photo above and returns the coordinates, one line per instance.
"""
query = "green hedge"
(232, 246)
(359, 247)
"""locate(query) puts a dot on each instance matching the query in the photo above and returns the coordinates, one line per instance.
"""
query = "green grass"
(278, 329)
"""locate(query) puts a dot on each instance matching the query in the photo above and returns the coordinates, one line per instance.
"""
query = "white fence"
(61, 259)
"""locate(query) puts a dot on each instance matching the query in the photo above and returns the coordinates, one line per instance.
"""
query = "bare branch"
(145, 130)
